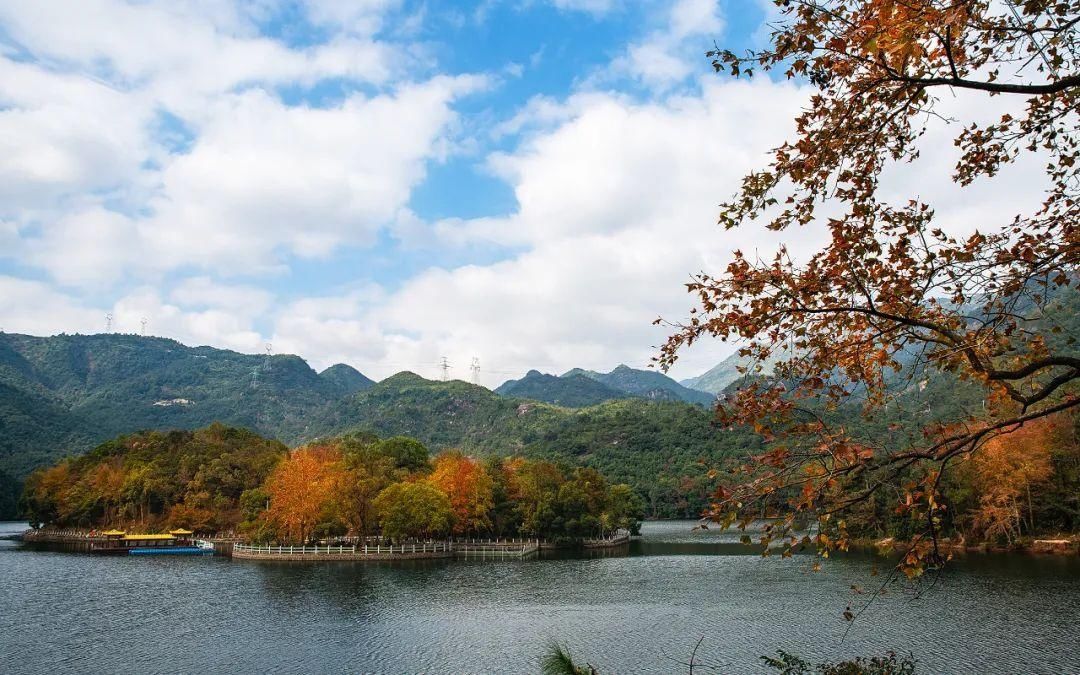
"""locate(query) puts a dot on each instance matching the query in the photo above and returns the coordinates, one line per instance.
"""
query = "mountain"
(345, 379)
(645, 384)
(64, 394)
(571, 390)
(9, 495)
(716, 379)
(662, 448)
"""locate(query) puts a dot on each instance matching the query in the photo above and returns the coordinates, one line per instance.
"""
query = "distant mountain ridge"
(570, 391)
(646, 384)
(345, 379)
(579, 388)
(716, 379)
(65, 393)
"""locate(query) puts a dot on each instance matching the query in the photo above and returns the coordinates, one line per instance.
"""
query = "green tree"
(540, 483)
(416, 509)
(625, 508)
(408, 453)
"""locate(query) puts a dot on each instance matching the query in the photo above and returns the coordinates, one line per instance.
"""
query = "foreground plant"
(558, 661)
(889, 664)
(892, 295)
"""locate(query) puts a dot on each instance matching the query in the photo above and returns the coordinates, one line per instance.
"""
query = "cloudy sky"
(382, 182)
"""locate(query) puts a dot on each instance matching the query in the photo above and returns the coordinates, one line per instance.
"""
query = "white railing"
(377, 549)
(617, 537)
(515, 547)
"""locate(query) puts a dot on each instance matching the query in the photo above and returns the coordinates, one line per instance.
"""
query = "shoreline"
(468, 549)
(1057, 546)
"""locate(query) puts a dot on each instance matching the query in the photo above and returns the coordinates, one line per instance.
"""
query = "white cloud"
(263, 176)
(239, 299)
(64, 135)
(695, 17)
(668, 55)
(99, 193)
(590, 6)
(217, 325)
(363, 17)
(179, 52)
(617, 207)
(90, 247)
(617, 197)
(36, 308)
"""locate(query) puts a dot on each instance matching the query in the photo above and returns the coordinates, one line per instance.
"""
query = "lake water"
(637, 613)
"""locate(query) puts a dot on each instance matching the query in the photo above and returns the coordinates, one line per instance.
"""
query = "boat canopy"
(148, 537)
(180, 532)
(113, 533)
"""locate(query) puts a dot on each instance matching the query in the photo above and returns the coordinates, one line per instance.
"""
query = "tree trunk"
(1031, 510)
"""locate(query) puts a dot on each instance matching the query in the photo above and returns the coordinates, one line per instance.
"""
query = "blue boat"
(171, 550)
(176, 542)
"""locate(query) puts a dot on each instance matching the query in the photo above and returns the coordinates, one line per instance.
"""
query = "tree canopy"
(893, 295)
(220, 478)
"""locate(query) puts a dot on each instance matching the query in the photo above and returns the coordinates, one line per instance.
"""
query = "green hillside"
(571, 391)
(64, 394)
(663, 449)
(345, 379)
(648, 384)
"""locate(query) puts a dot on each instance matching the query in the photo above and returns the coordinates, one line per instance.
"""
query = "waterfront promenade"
(358, 549)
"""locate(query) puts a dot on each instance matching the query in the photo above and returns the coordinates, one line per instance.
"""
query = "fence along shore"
(359, 549)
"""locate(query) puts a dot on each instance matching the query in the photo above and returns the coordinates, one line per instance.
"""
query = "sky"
(385, 183)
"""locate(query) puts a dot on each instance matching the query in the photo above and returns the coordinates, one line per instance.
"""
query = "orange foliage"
(193, 518)
(511, 469)
(468, 486)
(1004, 471)
(302, 487)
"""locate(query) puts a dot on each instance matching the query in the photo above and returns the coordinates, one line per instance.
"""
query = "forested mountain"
(9, 495)
(64, 394)
(648, 384)
(664, 449)
(345, 379)
(718, 378)
(573, 390)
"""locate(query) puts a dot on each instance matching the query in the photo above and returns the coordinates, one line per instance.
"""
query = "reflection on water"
(631, 611)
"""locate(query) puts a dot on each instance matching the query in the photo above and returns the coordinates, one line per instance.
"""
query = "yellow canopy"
(148, 536)
(113, 533)
(180, 532)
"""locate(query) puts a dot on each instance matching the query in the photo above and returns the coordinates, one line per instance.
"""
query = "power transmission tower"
(108, 322)
(255, 377)
(475, 368)
(269, 353)
(445, 365)
(143, 321)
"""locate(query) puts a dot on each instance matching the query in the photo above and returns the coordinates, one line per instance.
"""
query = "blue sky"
(379, 182)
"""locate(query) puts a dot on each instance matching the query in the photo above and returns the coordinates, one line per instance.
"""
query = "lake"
(636, 613)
